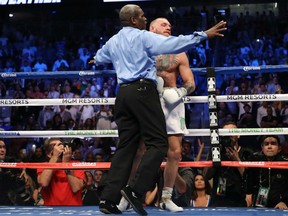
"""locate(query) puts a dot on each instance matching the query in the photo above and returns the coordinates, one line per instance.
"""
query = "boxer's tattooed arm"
(189, 87)
(165, 62)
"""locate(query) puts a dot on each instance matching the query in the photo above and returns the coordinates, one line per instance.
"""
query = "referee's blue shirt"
(132, 52)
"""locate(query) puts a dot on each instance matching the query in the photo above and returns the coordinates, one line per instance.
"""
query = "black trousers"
(139, 117)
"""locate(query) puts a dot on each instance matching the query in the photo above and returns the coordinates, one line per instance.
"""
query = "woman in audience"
(201, 192)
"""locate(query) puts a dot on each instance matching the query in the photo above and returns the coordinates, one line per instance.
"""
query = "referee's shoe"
(134, 200)
(108, 207)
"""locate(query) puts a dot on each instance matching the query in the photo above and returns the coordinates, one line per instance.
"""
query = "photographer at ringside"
(12, 183)
(60, 187)
(229, 183)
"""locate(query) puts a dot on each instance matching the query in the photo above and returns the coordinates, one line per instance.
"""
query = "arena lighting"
(28, 2)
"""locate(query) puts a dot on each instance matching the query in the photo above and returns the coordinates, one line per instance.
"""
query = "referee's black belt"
(140, 81)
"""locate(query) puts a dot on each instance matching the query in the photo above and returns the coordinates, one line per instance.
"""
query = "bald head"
(128, 11)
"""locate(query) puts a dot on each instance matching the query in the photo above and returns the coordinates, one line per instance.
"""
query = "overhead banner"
(28, 2)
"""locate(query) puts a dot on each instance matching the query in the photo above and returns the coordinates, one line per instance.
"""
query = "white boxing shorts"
(175, 117)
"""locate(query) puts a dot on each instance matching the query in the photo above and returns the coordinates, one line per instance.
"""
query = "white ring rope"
(64, 101)
(92, 74)
(111, 101)
(114, 133)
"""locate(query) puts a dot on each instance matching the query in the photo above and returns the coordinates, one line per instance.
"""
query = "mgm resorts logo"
(24, 2)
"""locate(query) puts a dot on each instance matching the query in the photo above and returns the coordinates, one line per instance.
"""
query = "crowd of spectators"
(251, 40)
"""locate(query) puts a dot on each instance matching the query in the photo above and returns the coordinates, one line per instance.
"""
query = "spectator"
(76, 63)
(25, 66)
(56, 122)
(90, 157)
(53, 93)
(246, 119)
(269, 120)
(187, 151)
(97, 175)
(77, 154)
(104, 116)
(57, 64)
(17, 92)
(12, 183)
(273, 85)
(40, 66)
(29, 52)
(31, 187)
(75, 111)
(45, 115)
(84, 56)
(107, 91)
(86, 93)
(90, 196)
(65, 114)
(37, 94)
(5, 111)
(229, 182)
(243, 107)
(60, 187)
(9, 66)
(278, 105)
(88, 125)
(201, 190)
(49, 55)
(62, 67)
(262, 111)
(67, 91)
(262, 88)
(268, 187)
(37, 156)
(284, 114)
(183, 189)
(87, 111)
(99, 157)
(71, 124)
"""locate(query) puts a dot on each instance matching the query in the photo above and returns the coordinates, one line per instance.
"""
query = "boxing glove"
(160, 84)
(173, 95)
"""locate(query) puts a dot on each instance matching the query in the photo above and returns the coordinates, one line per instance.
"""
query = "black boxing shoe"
(134, 200)
(108, 207)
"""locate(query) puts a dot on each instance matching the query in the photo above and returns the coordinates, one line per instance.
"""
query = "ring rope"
(111, 101)
(92, 74)
(114, 133)
(64, 101)
(106, 165)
